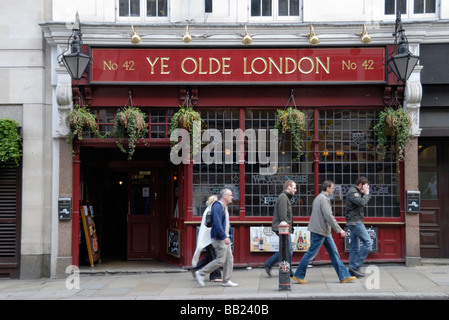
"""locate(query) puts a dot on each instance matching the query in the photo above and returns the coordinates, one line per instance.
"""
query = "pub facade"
(149, 206)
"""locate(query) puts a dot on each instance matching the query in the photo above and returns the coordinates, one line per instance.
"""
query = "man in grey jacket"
(356, 198)
(282, 212)
(321, 222)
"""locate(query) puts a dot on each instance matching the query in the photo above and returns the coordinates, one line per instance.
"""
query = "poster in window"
(263, 239)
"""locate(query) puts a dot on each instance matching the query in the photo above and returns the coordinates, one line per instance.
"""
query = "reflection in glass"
(428, 185)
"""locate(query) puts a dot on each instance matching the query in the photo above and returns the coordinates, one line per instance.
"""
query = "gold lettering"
(287, 70)
(152, 64)
(322, 65)
(264, 63)
(226, 66)
(164, 65)
(112, 66)
(300, 65)
(211, 71)
(194, 64)
(200, 63)
(244, 66)
(272, 63)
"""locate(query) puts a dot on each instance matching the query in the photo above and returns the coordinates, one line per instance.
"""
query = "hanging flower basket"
(10, 141)
(294, 121)
(184, 118)
(79, 119)
(397, 122)
(129, 123)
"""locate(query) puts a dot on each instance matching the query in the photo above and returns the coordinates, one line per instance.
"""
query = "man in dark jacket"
(356, 198)
(220, 241)
(282, 212)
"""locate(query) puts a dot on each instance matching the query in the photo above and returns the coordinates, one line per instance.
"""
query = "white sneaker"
(199, 278)
(229, 284)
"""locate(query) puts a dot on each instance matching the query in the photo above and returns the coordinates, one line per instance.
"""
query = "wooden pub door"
(146, 212)
(434, 186)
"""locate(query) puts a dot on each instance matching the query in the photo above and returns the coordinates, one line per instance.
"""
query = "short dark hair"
(326, 184)
(361, 180)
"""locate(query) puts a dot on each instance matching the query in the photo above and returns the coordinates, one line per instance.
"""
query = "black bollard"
(284, 257)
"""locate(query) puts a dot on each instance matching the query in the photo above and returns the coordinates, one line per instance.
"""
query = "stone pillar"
(412, 104)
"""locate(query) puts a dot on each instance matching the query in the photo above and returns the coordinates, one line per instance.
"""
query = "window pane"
(162, 8)
(283, 7)
(389, 6)
(151, 8)
(123, 8)
(255, 8)
(428, 185)
(266, 8)
(209, 179)
(261, 191)
(419, 6)
(430, 6)
(348, 146)
(135, 8)
(401, 6)
(428, 156)
(294, 7)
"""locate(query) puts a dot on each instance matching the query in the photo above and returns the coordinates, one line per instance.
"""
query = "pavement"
(167, 282)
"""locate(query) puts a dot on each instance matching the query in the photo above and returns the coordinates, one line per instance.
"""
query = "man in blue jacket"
(220, 241)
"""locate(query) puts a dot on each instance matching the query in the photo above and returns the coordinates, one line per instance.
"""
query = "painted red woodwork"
(254, 94)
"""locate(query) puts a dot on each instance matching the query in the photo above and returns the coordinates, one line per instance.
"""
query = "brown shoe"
(349, 279)
(300, 281)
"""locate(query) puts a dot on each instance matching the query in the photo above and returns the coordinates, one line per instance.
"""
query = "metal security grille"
(209, 179)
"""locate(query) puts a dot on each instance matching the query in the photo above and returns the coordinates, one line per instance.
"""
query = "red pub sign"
(238, 66)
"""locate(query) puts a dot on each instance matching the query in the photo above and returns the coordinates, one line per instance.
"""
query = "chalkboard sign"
(174, 242)
(90, 233)
(372, 231)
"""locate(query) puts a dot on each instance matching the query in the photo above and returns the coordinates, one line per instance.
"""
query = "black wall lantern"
(76, 61)
(403, 63)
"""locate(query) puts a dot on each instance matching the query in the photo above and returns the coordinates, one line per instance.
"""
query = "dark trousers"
(210, 255)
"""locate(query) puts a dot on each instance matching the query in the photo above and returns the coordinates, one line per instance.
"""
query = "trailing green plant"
(396, 122)
(129, 123)
(10, 141)
(294, 121)
(184, 118)
(79, 119)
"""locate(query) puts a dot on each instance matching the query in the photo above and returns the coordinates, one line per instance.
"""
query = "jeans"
(358, 254)
(317, 241)
(275, 257)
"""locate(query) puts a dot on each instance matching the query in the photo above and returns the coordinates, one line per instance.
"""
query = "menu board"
(90, 233)
(263, 239)
(174, 242)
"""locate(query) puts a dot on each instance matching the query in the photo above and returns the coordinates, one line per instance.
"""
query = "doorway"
(433, 160)
(130, 200)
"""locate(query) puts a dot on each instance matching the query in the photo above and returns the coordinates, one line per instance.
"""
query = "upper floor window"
(136, 8)
(410, 7)
(275, 8)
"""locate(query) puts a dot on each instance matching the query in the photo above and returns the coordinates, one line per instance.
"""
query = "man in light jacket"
(321, 222)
